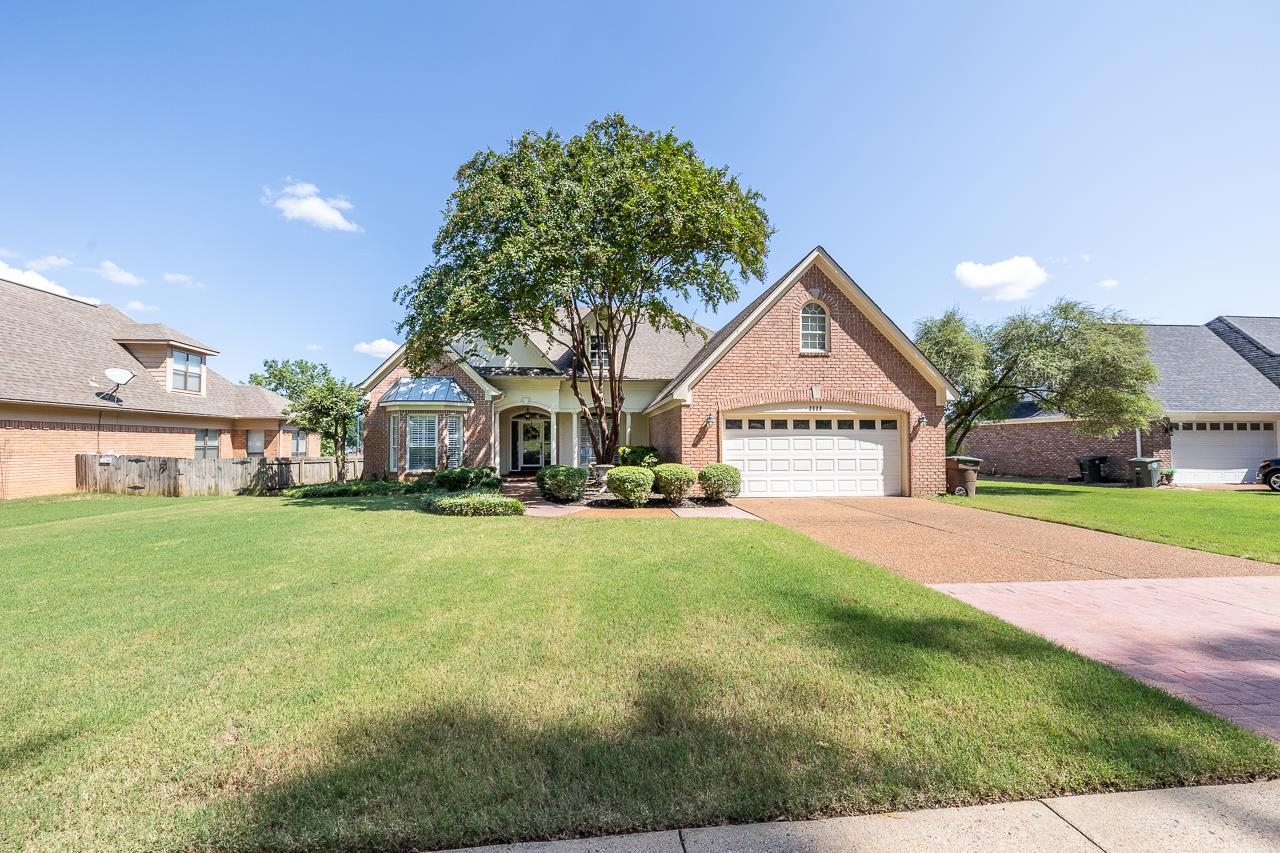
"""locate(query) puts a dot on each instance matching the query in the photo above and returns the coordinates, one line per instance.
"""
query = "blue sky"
(1128, 144)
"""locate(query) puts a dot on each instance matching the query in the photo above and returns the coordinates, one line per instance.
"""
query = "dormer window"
(598, 351)
(813, 328)
(187, 371)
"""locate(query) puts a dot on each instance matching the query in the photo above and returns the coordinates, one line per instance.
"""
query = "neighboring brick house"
(810, 390)
(56, 401)
(1219, 386)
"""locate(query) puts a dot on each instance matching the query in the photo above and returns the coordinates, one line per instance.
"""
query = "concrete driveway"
(934, 542)
(1200, 626)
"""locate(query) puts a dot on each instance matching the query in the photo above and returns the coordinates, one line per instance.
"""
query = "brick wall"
(861, 367)
(477, 424)
(664, 433)
(1050, 449)
(39, 457)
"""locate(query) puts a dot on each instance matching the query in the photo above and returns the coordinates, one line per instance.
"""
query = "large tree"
(290, 377)
(1087, 363)
(330, 408)
(580, 241)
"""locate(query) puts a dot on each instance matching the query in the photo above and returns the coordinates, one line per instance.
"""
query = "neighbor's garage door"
(1221, 452)
(781, 455)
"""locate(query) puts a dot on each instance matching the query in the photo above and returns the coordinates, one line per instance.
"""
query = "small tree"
(1090, 364)
(329, 408)
(579, 242)
(292, 379)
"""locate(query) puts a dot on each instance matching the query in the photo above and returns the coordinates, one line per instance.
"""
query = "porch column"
(626, 432)
(577, 434)
(555, 447)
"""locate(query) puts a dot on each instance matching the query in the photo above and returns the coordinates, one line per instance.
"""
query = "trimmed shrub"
(641, 455)
(460, 479)
(674, 481)
(631, 483)
(562, 483)
(473, 504)
(720, 481)
(349, 489)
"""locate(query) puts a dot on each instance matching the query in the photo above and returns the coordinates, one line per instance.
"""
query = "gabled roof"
(653, 355)
(53, 347)
(427, 389)
(396, 358)
(147, 333)
(1200, 372)
(1264, 331)
(722, 341)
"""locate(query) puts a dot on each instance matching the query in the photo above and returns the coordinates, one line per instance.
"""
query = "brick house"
(56, 401)
(810, 390)
(1220, 388)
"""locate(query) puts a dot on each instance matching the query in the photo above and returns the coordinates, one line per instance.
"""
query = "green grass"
(255, 673)
(1239, 523)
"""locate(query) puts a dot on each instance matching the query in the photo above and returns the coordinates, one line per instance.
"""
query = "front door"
(533, 442)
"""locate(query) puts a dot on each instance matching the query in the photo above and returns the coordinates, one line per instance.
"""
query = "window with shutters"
(454, 456)
(422, 442)
(393, 463)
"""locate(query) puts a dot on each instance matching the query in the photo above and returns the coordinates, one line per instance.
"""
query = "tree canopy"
(330, 408)
(580, 241)
(1090, 364)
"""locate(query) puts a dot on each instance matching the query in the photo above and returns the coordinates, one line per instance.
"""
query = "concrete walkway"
(1212, 641)
(934, 542)
(1236, 818)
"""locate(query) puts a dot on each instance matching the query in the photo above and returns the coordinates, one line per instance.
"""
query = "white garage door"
(782, 455)
(1221, 452)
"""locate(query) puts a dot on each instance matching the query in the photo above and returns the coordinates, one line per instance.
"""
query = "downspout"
(1137, 443)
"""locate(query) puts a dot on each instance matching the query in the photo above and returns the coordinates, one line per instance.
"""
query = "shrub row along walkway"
(535, 505)
(1213, 818)
(934, 542)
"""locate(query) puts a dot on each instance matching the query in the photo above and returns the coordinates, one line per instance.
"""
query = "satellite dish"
(119, 375)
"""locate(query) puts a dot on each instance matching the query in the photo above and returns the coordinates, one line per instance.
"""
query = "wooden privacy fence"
(127, 474)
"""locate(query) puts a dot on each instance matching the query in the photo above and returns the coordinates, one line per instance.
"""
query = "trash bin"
(1091, 467)
(1145, 471)
(962, 475)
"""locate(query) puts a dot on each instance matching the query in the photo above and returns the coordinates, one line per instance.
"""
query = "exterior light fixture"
(709, 420)
(923, 420)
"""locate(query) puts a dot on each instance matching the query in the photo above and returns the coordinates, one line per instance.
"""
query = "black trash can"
(1145, 471)
(962, 475)
(1091, 467)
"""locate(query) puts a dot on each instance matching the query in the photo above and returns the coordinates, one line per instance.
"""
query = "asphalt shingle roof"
(159, 333)
(1265, 331)
(653, 355)
(1199, 372)
(52, 347)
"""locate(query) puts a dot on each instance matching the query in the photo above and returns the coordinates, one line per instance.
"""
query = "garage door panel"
(1220, 456)
(783, 460)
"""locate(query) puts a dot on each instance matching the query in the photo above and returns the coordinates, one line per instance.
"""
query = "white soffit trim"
(860, 299)
(397, 358)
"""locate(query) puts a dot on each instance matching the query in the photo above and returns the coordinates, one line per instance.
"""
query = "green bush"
(460, 479)
(674, 481)
(631, 483)
(720, 481)
(562, 483)
(641, 455)
(349, 489)
(473, 503)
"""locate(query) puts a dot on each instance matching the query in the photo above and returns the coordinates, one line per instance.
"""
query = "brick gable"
(861, 367)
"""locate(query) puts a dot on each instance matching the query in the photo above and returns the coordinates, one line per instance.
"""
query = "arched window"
(813, 328)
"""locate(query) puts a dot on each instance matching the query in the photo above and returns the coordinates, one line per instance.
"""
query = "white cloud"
(188, 281)
(302, 201)
(380, 348)
(1086, 257)
(1003, 281)
(31, 278)
(139, 307)
(1109, 283)
(49, 262)
(7, 253)
(112, 272)
(314, 348)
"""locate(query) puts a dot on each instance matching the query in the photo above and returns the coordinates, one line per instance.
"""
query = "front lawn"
(1240, 523)
(250, 673)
